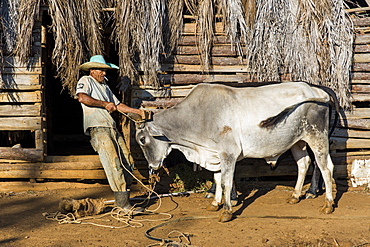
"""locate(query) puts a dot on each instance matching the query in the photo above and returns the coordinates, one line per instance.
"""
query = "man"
(98, 101)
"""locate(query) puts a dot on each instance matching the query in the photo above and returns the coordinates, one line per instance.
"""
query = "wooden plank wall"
(21, 101)
(350, 141)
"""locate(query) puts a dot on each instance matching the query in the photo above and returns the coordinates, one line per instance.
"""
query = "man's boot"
(122, 199)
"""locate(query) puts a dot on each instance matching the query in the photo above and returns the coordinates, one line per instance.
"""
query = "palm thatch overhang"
(311, 40)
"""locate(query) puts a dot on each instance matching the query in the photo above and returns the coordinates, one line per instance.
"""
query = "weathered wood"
(20, 123)
(360, 76)
(363, 124)
(357, 113)
(23, 70)
(192, 40)
(20, 97)
(61, 170)
(72, 158)
(361, 48)
(14, 62)
(361, 21)
(361, 58)
(349, 133)
(20, 82)
(361, 67)
(200, 68)
(161, 93)
(360, 97)
(54, 174)
(360, 88)
(362, 9)
(20, 110)
(195, 60)
(29, 154)
(348, 143)
(362, 39)
(174, 79)
(39, 139)
(217, 50)
(191, 28)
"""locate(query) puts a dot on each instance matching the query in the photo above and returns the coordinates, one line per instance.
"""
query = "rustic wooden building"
(41, 124)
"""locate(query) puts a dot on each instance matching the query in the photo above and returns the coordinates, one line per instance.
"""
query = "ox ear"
(153, 131)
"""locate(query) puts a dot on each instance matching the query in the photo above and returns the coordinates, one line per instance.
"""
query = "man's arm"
(110, 106)
(89, 101)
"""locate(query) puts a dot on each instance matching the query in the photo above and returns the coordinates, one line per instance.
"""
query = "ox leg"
(300, 154)
(227, 175)
(316, 183)
(215, 204)
(326, 166)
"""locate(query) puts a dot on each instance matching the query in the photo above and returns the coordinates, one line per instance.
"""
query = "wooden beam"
(192, 40)
(14, 62)
(361, 67)
(361, 21)
(200, 68)
(196, 60)
(61, 170)
(362, 39)
(349, 143)
(174, 79)
(20, 97)
(29, 154)
(191, 28)
(216, 50)
(23, 70)
(363, 9)
(20, 110)
(362, 48)
(361, 58)
(20, 123)
(20, 82)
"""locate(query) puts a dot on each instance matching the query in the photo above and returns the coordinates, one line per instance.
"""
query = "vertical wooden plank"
(39, 139)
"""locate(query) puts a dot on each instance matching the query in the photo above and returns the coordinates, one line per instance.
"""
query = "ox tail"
(272, 121)
(334, 104)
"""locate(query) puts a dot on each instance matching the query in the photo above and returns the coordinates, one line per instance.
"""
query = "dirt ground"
(263, 218)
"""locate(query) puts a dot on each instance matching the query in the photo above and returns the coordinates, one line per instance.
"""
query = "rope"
(151, 191)
(121, 215)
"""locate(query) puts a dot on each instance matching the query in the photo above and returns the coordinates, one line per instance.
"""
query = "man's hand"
(111, 107)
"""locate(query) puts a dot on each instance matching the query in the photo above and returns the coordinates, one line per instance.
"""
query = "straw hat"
(97, 62)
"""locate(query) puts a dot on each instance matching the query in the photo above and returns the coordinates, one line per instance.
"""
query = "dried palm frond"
(235, 22)
(205, 31)
(140, 29)
(311, 40)
(122, 32)
(173, 27)
(250, 12)
(28, 13)
(77, 31)
(8, 24)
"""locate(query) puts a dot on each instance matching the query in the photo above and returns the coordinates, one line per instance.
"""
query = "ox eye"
(142, 140)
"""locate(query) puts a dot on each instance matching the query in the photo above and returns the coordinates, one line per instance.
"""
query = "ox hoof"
(225, 216)
(310, 196)
(292, 200)
(327, 208)
(212, 207)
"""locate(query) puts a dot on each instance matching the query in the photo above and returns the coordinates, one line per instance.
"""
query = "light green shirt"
(96, 116)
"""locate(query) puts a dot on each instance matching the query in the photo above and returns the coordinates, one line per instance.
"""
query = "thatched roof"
(309, 39)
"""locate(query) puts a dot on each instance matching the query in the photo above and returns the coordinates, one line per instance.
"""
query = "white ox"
(217, 125)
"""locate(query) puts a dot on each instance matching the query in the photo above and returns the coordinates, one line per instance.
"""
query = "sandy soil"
(263, 218)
